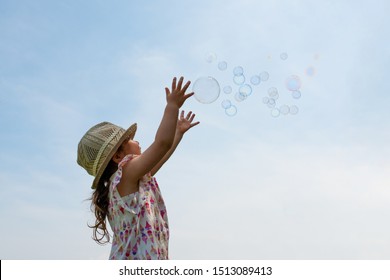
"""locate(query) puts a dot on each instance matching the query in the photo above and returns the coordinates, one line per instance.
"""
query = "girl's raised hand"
(177, 94)
(185, 123)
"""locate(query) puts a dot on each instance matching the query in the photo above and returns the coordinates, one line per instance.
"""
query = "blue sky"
(309, 186)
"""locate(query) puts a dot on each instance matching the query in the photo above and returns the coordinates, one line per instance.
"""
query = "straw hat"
(98, 146)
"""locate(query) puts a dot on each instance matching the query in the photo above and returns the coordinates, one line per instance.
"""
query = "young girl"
(126, 193)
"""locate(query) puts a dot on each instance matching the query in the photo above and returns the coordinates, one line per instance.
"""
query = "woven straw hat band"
(96, 144)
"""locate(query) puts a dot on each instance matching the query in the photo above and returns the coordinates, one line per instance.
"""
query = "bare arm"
(164, 139)
(183, 125)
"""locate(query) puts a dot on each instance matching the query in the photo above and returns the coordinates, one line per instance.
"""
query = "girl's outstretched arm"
(183, 125)
(142, 164)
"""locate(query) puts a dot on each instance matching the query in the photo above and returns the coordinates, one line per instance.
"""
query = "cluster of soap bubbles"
(207, 89)
(271, 102)
(293, 84)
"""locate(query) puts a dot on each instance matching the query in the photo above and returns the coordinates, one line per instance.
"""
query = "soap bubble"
(222, 65)
(226, 104)
(238, 71)
(275, 112)
(283, 56)
(271, 103)
(284, 109)
(206, 89)
(210, 57)
(239, 96)
(239, 80)
(255, 80)
(245, 90)
(296, 94)
(293, 83)
(231, 111)
(294, 110)
(227, 89)
(310, 71)
(273, 92)
(264, 76)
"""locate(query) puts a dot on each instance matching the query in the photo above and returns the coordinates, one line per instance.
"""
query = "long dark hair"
(99, 205)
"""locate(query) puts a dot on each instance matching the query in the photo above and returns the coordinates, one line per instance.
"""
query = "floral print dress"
(139, 220)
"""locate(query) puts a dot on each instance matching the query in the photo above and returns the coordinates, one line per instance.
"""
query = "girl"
(126, 193)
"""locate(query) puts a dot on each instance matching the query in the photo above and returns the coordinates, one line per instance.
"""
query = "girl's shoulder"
(126, 160)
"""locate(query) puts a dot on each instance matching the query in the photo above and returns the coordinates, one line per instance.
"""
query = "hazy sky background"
(310, 186)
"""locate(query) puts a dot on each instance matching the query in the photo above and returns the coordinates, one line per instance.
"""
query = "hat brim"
(130, 132)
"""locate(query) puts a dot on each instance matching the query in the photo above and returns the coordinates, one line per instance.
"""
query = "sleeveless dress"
(139, 220)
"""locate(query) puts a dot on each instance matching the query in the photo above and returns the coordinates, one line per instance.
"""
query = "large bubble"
(206, 89)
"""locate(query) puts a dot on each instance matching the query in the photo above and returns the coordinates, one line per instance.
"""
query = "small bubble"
(222, 65)
(231, 111)
(265, 100)
(226, 104)
(238, 71)
(239, 97)
(210, 57)
(293, 83)
(284, 109)
(227, 89)
(264, 76)
(273, 92)
(294, 110)
(245, 90)
(255, 80)
(283, 56)
(271, 103)
(275, 112)
(296, 94)
(239, 80)
(310, 71)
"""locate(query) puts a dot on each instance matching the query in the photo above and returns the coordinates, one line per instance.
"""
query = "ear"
(117, 157)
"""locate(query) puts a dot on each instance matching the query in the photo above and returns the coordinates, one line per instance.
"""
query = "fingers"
(177, 94)
(190, 116)
(188, 95)
(180, 83)
(186, 86)
(193, 124)
(174, 84)
(186, 123)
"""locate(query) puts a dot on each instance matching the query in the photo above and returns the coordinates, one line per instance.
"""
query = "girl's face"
(128, 147)
(131, 147)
